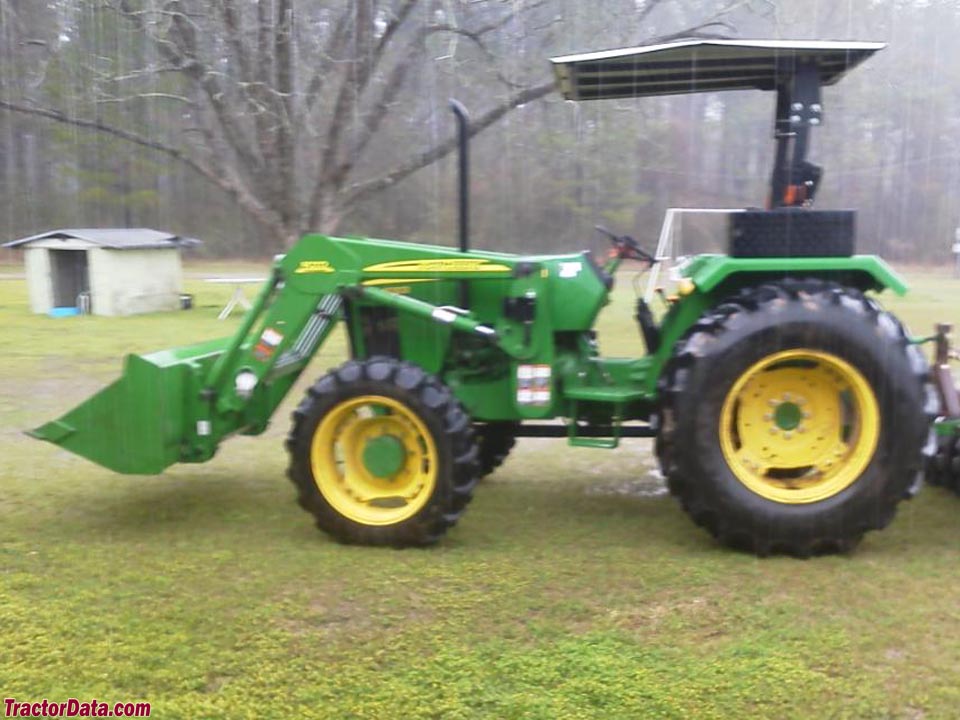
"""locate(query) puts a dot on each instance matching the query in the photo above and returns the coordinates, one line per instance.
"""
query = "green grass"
(208, 593)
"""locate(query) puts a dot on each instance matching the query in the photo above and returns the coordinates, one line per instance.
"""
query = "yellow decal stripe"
(397, 281)
(443, 265)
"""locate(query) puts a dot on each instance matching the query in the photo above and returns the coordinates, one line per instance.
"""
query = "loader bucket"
(139, 423)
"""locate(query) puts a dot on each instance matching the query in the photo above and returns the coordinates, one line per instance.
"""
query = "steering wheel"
(625, 247)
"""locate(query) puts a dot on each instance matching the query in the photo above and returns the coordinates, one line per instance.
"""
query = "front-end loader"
(790, 410)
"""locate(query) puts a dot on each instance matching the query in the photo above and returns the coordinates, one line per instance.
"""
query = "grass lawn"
(573, 587)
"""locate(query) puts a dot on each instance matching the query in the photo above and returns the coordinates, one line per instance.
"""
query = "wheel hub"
(384, 456)
(374, 460)
(799, 426)
(787, 416)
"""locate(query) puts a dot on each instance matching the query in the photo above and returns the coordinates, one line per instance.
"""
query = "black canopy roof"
(692, 66)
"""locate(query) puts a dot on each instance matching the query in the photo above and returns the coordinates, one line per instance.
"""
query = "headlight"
(245, 383)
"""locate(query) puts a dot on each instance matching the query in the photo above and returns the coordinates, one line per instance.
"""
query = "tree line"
(248, 122)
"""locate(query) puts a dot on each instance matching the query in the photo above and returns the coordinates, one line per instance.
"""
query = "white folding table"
(238, 297)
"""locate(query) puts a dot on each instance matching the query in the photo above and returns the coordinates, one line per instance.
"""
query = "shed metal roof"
(691, 66)
(113, 238)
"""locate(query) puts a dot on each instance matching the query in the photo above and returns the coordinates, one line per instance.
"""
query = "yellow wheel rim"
(366, 492)
(799, 426)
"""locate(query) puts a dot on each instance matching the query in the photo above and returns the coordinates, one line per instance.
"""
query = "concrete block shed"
(120, 271)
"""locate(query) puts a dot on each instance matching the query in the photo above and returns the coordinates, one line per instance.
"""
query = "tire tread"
(695, 347)
(455, 488)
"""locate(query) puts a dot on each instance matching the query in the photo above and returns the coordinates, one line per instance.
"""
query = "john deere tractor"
(790, 410)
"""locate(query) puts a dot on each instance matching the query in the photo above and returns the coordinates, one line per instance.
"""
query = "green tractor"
(791, 412)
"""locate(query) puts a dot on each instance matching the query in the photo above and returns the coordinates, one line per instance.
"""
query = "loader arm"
(178, 405)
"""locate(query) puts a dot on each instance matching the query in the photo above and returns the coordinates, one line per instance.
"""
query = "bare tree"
(282, 100)
(291, 107)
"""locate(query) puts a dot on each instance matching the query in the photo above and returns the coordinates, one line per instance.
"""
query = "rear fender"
(715, 277)
(720, 275)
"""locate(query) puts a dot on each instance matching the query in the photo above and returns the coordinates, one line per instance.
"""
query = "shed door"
(71, 276)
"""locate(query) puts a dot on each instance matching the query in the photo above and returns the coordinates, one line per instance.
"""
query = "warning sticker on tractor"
(271, 337)
(269, 340)
(533, 384)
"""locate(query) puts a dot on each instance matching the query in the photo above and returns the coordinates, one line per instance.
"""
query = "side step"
(594, 436)
(543, 430)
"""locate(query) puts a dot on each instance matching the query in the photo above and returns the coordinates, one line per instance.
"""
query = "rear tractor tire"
(795, 418)
(381, 453)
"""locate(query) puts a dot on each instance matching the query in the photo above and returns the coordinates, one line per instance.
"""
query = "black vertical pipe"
(798, 109)
(463, 157)
(780, 177)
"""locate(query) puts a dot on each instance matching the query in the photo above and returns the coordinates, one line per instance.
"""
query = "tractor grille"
(381, 334)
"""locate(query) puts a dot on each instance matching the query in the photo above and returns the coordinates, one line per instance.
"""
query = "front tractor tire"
(381, 453)
(794, 418)
(495, 440)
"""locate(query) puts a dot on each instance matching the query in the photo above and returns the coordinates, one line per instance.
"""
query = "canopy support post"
(795, 180)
